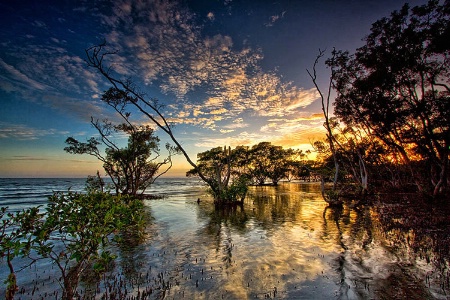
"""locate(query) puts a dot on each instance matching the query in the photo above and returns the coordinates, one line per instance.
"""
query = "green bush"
(72, 233)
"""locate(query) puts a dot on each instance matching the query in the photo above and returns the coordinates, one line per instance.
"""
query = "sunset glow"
(226, 72)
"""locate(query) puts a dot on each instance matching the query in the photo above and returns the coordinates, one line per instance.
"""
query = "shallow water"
(284, 243)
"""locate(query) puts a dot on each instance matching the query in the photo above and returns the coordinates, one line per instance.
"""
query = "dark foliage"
(396, 88)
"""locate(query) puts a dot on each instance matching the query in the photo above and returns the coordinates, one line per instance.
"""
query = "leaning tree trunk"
(333, 196)
(443, 178)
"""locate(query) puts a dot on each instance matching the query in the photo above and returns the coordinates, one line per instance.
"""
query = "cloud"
(244, 139)
(299, 98)
(24, 133)
(226, 130)
(82, 109)
(38, 23)
(263, 93)
(218, 111)
(51, 92)
(237, 123)
(297, 132)
(232, 127)
(300, 117)
(213, 79)
(274, 18)
(17, 77)
(312, 117)
(164, 42)
(51, 76)
(28, 158)
(298, 137)
(6, 85)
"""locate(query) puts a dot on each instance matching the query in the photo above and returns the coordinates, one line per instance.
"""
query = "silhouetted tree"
(281, 161)
(241, 158)
(270, 162)
(260, 162)
(352, 147)
(293, 163)
(396, 88)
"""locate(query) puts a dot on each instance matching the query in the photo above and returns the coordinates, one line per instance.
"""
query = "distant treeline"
(260, 164)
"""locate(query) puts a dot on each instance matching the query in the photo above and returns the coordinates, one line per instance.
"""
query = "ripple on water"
(284, 243)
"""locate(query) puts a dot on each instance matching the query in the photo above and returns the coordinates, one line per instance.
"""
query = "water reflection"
(368, 266)
(267, 248)
(283, 243)
(419, 233)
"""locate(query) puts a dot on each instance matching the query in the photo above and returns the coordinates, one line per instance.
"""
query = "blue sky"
(228, 72)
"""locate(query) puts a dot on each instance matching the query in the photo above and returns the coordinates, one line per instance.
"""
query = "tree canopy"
(396, 89)
(230, 171)
(133, 168)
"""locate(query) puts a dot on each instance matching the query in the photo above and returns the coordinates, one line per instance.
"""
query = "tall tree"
(295, 164)
(397, 88)
(332, 197)
(133, 168)
(260, 162)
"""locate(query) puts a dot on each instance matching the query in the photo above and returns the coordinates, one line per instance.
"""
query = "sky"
(227, 72)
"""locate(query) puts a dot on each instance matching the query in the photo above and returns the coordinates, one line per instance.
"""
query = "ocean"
(22, 193)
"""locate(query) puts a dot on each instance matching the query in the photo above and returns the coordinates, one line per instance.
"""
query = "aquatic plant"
(72, 233)
(15, 241)
(76, 230)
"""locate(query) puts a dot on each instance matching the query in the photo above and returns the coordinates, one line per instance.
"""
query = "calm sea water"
(284, 243)
(19, 193)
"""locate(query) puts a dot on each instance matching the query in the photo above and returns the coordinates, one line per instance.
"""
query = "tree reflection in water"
(221, 221)
(283, 243)
(419, 230)
(353, 251)
(378, 260)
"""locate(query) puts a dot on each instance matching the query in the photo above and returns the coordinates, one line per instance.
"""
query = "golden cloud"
(226, 130)
(218, 111)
